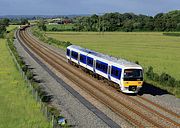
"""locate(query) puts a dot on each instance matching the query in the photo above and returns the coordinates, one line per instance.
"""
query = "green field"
(60, 27)
(18, 109)
(149, 48)
(11, 27)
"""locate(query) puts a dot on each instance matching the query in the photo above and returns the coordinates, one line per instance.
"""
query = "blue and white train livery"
(128, 75)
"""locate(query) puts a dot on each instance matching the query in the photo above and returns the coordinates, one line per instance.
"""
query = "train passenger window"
(74, 55)
(68, 52)
(115, 72)
(90, 61)
(83, 58)
(101, 66)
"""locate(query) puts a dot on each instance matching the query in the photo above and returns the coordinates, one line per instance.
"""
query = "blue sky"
(66, 7)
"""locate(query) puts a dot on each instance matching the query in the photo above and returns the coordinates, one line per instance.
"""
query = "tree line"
(129, 22)
(5, 22)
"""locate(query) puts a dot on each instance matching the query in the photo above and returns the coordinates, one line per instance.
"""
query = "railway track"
(132, 110)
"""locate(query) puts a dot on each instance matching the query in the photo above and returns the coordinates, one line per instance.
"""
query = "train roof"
(119, 61)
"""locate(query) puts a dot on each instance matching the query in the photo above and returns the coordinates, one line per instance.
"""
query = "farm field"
(18, 109)
(60, 27)
(148, 48)
(11, 27)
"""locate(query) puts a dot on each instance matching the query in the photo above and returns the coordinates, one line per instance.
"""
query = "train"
(23, 27)
(127, 75)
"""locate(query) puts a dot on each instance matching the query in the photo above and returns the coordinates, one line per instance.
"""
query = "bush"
(137, 62)
(171, 34)
(150, 73)
(165, 81)
(156, 77)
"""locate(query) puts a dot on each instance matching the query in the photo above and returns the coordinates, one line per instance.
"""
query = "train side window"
(90, 61)
(83, 58)
(74, 55)
(115, 72)
(68, 52)
(101, 66)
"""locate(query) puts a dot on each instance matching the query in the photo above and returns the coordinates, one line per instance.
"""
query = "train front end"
(132, 80)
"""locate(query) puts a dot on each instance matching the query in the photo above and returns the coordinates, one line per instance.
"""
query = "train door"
(94, 65)
(78, 58)
(109, 72)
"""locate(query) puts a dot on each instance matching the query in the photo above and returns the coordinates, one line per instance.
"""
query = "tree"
(128, 26)
(130, 22)
(150, 73)
(178, 27)
(3, 24)
(24, 21)
(2, 30)
(41, 25)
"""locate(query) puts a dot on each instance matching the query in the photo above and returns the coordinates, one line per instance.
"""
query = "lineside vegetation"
(50, 111)
(18, 108)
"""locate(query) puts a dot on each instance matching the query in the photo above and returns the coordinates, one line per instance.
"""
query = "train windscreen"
(133, 75)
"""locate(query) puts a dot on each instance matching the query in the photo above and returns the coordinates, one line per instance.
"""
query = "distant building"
(52, 23)
(61, 21)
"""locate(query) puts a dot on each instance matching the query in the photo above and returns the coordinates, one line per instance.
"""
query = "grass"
(11, 27)
(18, 109)
(149, 48)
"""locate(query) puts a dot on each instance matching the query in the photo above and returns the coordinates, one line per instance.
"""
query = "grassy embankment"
(18, 109)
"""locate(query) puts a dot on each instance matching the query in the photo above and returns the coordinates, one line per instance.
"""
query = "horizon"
(81, 14)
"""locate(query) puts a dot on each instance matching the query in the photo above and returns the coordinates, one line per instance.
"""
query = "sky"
(71, 7)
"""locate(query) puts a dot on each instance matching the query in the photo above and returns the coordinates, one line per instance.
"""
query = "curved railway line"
(138, 113)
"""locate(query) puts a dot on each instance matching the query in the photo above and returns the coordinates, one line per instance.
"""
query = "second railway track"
(134, 111)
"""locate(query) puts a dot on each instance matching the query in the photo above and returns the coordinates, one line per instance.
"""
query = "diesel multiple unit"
(128, 75)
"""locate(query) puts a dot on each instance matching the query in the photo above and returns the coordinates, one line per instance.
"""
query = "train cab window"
(83, 58)
(74, 55)
(68, 52)
(101, 66)
(115, 72)
(90, 61)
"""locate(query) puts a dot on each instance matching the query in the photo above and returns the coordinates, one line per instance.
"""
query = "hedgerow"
(171, 34)
(165, 81)
(41, 36)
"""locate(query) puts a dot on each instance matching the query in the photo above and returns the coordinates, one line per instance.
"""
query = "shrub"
(156, 77)
(150, 73)
(171, 82)
(137, 62)
(171, 34)
(163, 78)
(165, 81)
